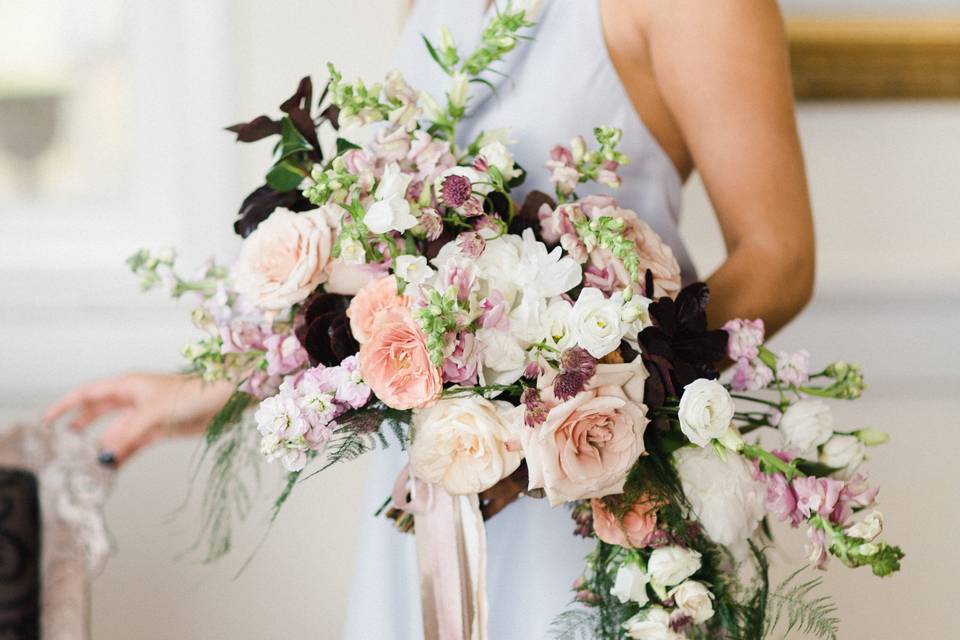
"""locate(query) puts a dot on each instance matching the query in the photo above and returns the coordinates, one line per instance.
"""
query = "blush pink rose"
(587, 444)
(634, 530)
(284, 259)
(654, 253)
(396, 365)
(377, 296)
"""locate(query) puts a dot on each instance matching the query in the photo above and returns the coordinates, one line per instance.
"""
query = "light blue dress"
(558, 85)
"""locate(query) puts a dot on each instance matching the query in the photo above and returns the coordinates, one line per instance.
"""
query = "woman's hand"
(145, 407)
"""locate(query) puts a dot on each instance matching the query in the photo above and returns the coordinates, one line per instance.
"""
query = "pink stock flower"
(284, 354)
(600, 278)
(378, 296)
(460, 367)
(461, 273)
(856, 493)
(395, 362)
(818, 554)
(750, 375)
(391, 145)
(363, 165)
(793, 368)
(781, 499)
(745, 339)
(260, 384)
(240, 335)
(634, 531)
(816, 495)
(431, 156)
(495, 312)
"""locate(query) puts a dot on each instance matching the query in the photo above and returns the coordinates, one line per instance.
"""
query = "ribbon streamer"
(451, 557)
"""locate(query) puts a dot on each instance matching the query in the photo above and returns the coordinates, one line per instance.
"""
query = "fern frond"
(575, 624)
(793, 603)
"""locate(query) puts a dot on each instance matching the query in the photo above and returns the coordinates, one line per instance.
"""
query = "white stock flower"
(502, 356)
(631, 584)
(391, 211)
(723, 494)
(458, 90)
(497, 155)
(465, 444)
(652, 623)
(806, 424)
(868, 528)
(694, 600)
(705, 411)
(413, 269)
(352, 251)
(595, 320)
(669, 566)
(844, 453)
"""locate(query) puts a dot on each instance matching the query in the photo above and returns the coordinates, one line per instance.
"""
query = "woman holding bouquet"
(693, 85)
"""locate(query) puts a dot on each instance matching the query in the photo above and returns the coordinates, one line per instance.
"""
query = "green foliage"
(438, 318)
(794, 604)
(575, 624)
(229, 416)
(607, 233)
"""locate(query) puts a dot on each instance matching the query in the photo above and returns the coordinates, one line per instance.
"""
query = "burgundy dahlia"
(324, 330)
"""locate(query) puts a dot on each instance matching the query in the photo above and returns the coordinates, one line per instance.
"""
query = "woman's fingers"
(113, 389)
(129, 432)
(92, 411)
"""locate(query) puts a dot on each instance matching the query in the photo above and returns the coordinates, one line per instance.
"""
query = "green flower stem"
(769, 462)
(769, 403)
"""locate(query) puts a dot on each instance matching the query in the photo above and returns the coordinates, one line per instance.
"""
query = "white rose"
(843, 452)
(391, 211)
(466, 445)
(868, 528)
(705, 411)
(724, 497)
(503, 358)
(672, 565)
(631, 584)
(458, 90)
(413, 269)
(596, 322)
(652, 623)
(497, 155)
(806, 424)
(694, 600)
(283, 260)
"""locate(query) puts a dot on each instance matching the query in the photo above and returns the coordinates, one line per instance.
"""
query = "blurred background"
(111, 116)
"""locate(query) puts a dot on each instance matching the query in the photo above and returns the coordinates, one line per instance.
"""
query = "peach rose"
(587, 445)
(654, 253)
(395, 363)
(377, 296)
(633, 531)
(466, 445)
(284, 259)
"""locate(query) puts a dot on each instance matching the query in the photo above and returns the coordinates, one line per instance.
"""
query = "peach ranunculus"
(376, 297)
(284, 259)
(587, 445)
(466, 445)
(395, 362)
(633, 531)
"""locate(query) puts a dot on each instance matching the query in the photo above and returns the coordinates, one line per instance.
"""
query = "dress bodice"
(557, 85)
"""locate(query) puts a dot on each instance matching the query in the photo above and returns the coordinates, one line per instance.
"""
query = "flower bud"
(458, 91)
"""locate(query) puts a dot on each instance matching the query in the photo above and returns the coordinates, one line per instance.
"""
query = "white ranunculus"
(631, 584)
(502, 356)
(652, 623)
(391, 211)
(868, 528)
(806, 424)
(843, 452)
(497, 155)
(465, 444)
(695, 600)
(669, 566)
(595, 320)
(705, 411)
(458, 90)
(413, 269)
(723, 494)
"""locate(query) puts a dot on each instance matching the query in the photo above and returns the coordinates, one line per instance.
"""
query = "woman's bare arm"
(722, 69)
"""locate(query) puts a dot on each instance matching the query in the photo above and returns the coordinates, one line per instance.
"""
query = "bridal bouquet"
(389, 285)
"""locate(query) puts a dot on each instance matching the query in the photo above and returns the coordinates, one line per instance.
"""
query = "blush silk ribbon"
(451, 558)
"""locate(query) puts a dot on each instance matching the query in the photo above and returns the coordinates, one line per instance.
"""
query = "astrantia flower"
(455, 190)
(471, 244)
(431, 223)
(535, 408)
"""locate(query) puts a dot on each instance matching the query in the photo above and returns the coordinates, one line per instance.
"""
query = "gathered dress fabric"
(559, 84)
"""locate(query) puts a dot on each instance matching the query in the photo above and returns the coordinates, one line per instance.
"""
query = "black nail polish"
(107, 459)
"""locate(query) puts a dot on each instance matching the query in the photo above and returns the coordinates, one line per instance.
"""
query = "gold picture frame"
(838, 58)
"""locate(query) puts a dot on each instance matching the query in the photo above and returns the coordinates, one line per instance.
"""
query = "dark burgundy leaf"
(528, 216)
(263, 201)
(257, 129)
(297, 107)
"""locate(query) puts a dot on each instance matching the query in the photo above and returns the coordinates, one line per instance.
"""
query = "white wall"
(887, 202)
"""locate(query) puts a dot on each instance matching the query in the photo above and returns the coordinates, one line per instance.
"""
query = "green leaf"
(284, 176)
(344, 145)
(434, 54)
(228, 416)
(291, 141)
